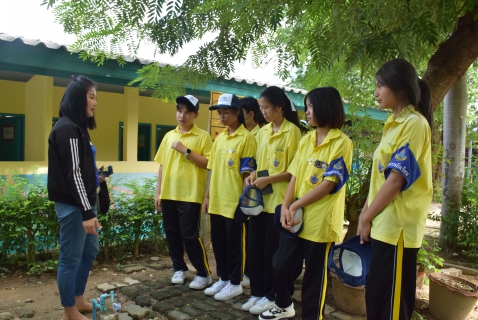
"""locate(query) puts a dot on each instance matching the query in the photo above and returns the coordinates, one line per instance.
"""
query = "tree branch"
(453, 58)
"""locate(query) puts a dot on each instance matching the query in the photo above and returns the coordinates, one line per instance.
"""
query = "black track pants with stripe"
(287, 263)
(181, 222)
(228, 243)
(391, 281)
(263, 241)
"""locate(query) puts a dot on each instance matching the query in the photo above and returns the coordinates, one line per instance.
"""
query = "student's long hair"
(401, 78)
(278, 98)
(327, 107)
(74, 102)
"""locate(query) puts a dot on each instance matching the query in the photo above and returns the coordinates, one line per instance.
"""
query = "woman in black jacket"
(72, 183)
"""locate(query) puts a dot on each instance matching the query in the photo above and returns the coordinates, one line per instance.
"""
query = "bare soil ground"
(17, 287)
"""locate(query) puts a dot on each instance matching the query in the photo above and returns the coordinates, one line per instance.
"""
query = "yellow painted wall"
(108, 114)
(13, 97)
(110, 111)
(156, 111)
(38, 105)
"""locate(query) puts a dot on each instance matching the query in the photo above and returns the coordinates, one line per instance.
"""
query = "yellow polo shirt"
(231, 156)
(275, 152)
(255, 131)
(405, 148)
(331, 160)
(181, 179)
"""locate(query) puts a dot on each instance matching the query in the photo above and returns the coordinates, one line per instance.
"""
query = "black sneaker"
(278, 313)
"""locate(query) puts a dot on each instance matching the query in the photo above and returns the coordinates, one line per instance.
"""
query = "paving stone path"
(180, 302)
(158, 298)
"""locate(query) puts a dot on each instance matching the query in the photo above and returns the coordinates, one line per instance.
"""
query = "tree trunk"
(353, 218)
(437, 160)
(453, 58)
(136, 244)
(453, 169)
(31, 257)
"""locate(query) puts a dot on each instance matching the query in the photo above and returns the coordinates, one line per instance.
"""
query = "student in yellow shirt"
(231, 161)
(183, 157)
(277, 144)
(394, 215)
(319, 174)
(254, 120)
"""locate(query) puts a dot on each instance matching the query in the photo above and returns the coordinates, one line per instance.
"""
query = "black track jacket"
(71, 171)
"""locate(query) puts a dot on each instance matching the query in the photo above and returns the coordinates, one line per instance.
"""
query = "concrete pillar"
(38, 117)
(130, 141)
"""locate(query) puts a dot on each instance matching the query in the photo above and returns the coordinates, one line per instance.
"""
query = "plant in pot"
(450, 297)
(427, 261)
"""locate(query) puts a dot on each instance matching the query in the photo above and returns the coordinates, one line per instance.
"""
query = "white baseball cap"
(189, 100)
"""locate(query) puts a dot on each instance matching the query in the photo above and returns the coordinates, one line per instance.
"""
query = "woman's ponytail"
(425, 106)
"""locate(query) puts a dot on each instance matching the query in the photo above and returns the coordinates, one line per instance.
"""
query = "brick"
(160, 295)
(452, 271)
(162, 307)
(222, 316)
(191, 311)
(203, 306)
(178, 315)
(177, 303)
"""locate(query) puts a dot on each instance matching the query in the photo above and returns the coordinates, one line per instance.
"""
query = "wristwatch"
(188, 152)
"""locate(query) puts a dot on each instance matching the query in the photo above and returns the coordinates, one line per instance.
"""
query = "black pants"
(263, 243)
(228, 242)
(287, 264)
(391, 281)
(181, 222)
(246, 266)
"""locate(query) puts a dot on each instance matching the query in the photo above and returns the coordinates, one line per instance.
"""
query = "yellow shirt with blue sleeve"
(405, 148)
(181, 179)
(275, 152)
(331, 160)
(231, 156)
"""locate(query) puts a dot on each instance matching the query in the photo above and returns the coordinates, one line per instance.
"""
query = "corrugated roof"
(57, 46)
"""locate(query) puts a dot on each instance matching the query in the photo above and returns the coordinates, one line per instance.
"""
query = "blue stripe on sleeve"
(248, 164)
(337, 168)
(404, 162)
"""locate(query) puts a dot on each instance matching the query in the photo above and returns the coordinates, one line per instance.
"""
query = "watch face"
(188, 151)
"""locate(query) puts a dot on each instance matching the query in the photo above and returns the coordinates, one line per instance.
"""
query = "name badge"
(320, 165)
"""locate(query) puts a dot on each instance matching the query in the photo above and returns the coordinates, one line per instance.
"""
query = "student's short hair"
(327, 107)
(74, 102)
(250, 104)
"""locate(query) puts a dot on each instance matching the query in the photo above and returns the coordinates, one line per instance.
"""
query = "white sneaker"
(178, 277)
(215, 288)
(252, 301)
(278, 313)
(246, 283)
(262, 305)
(230, 291)
(200, 282)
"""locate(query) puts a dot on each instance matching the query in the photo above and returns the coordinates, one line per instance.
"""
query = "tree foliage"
(311, 35)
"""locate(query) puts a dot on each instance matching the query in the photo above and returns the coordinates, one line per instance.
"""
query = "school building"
(131, 124)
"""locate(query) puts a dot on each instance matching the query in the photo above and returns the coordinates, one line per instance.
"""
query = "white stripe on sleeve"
(77, 174)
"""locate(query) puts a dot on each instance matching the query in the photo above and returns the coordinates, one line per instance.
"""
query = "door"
(12, 137)
(144, 142)
(161, 131)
